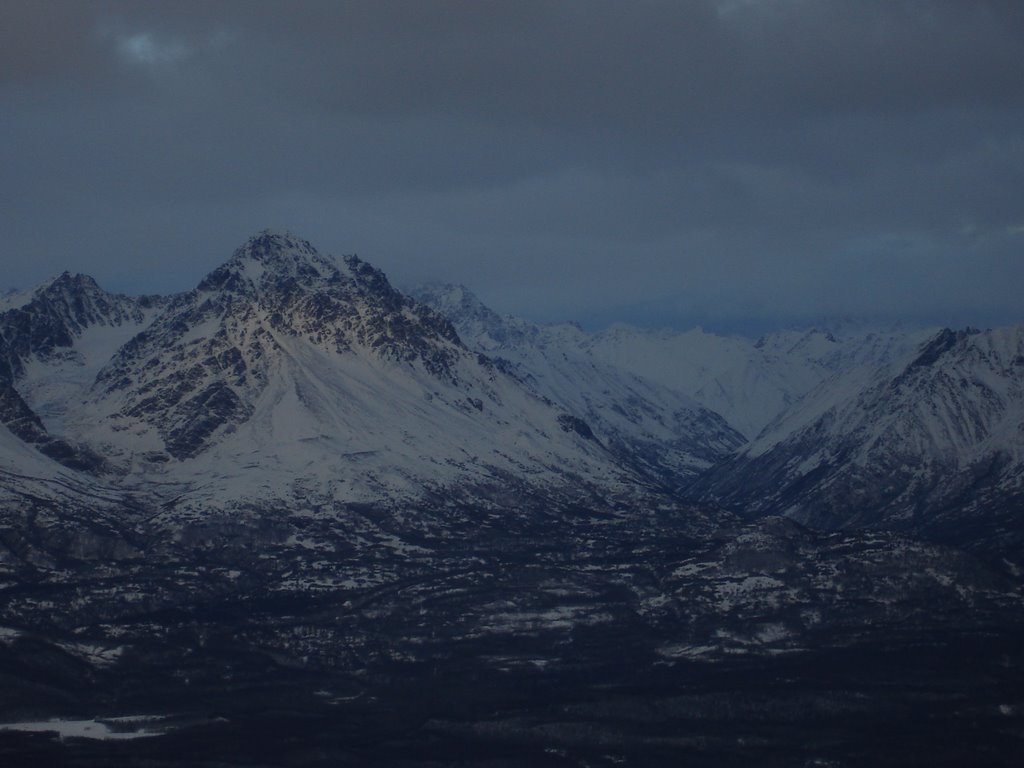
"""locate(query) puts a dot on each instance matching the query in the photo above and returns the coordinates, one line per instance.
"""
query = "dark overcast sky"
(731, 162)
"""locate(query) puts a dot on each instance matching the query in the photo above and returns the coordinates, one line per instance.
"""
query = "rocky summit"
(295, 516)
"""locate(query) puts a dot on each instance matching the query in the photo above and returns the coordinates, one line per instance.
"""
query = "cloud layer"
(736, 163)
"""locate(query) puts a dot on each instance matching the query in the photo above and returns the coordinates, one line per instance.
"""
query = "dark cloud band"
(652, 154)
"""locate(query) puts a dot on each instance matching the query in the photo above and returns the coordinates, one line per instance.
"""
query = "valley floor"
(949, 702)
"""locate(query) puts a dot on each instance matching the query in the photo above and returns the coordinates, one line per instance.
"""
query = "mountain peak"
(271, 243)
(240, 333)
(268, 258)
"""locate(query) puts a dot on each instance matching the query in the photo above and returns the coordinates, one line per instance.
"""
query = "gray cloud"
(730, 162)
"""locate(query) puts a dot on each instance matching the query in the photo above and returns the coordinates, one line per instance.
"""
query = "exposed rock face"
(23, 422)
(58, 313)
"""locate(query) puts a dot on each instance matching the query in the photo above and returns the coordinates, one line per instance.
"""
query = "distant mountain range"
(295, 467)
(906, 430)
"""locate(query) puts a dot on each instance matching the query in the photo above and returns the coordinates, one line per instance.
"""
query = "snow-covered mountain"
(646, 423)
(285, 373)
(932, 442)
